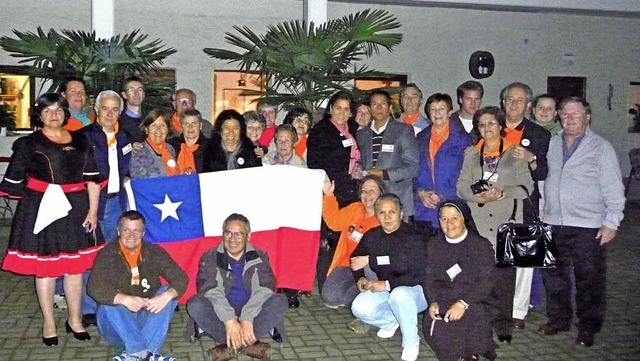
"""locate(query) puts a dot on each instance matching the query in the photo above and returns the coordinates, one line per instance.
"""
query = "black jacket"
(397, 257)
(198, 155)
(326, 151)
(215, 159)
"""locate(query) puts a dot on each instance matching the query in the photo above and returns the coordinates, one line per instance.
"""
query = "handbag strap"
(515, 206)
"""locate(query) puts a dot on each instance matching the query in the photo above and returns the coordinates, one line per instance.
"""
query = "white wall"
(527, 47)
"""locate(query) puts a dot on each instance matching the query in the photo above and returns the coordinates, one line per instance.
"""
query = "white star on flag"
(168, 208)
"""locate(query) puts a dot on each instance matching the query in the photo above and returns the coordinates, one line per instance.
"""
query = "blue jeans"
(140, 331)
(385, 309)
(109, 223)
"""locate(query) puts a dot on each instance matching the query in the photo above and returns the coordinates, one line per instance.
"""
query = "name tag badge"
(387, 148)
(490, 176)
(126, 149)
(347, 143)
(134, 271)
(453, 271)
(356, 236)
(383, 260)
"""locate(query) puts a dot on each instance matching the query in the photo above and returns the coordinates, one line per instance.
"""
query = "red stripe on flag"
(293, 254)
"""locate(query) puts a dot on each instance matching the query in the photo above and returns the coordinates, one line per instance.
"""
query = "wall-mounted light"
(242, 82)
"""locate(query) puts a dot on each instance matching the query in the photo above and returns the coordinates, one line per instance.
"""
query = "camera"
(478, 187)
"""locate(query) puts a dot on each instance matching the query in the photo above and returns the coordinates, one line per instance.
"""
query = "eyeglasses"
(371, 192)
(487, 124)
(238, 236)
(438, 110)
(574, 115)
(186, 101)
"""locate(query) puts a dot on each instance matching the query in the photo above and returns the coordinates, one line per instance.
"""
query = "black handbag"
(525, 245)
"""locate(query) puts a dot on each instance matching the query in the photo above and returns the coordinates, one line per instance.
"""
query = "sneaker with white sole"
(382, 333)
(159, 357)
(410, 353)
(121, 357)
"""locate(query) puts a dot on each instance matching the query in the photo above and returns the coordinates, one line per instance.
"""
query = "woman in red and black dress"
(55, 229)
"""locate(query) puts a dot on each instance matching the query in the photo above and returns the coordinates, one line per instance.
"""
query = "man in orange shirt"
(410, 99)
(74, 91)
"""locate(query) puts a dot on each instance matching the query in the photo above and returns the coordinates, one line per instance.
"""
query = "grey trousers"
(271, 316)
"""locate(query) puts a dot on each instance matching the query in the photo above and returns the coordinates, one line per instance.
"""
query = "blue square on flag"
(171, 206)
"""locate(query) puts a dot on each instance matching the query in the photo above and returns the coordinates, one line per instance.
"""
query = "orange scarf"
(185, 158)
(175, 123)
(170, 165)
(301, 146)
(132, 261)
(437, 138)
(513, 136)
(113, 140)
(412, 119)
(505, 145)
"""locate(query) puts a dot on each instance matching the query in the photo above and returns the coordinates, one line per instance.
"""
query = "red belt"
(40, 186)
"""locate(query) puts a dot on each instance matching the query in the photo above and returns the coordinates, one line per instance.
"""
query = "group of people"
(411, 208)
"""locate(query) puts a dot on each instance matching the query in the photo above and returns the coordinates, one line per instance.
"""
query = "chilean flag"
(184, 215)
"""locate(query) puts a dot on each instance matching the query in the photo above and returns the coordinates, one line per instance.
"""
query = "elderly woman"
(55, 229)
(490, 181)
(284, 139)
(230, 148)
(156, 158)
(256, 124)
(457, 284)
(191, 145)
(393, 299)
(353, 221)
(301, 119)
(441, 148)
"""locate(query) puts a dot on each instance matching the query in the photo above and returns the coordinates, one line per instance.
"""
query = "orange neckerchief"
(301, 146)
(513, 136)
(505, 145)
(412, 119)
(111, 142)
(185, 158)
(437, 138)
(175, 123)
(166, 157)
(132, 261)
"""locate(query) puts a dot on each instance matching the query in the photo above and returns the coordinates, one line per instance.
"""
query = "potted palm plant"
(302, 65)
(102, 63)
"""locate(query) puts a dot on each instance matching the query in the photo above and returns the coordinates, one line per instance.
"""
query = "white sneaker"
(382, 333)
(410, 353)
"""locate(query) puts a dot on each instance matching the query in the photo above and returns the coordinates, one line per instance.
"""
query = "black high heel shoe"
(50, 341)
(82, 336)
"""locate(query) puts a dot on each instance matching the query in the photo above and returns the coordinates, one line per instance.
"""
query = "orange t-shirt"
(132, 261)
(513, 136)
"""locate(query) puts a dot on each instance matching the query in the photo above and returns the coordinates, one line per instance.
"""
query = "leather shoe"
(221, 353)
(82, 336)
(505, 338)
(50, 341)
(585, 338)
(549, 330)
(259, 350)
(89, 319)
(518, 324)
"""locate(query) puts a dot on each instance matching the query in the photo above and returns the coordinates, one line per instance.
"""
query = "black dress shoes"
(518, 324)
(549, 330)
(89, 319)
(585, 338)
(505, 338)
(50, 341)
(82, 336)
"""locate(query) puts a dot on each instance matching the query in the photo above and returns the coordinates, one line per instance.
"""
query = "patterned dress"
(61, 247)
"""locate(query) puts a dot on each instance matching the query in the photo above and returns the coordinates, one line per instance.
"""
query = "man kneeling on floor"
(236, 303)
(134, 308)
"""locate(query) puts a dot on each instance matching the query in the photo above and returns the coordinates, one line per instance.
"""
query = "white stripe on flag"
(270, 197)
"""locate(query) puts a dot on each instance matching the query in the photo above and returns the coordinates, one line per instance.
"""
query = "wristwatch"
(464, 304)
(533, 160)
